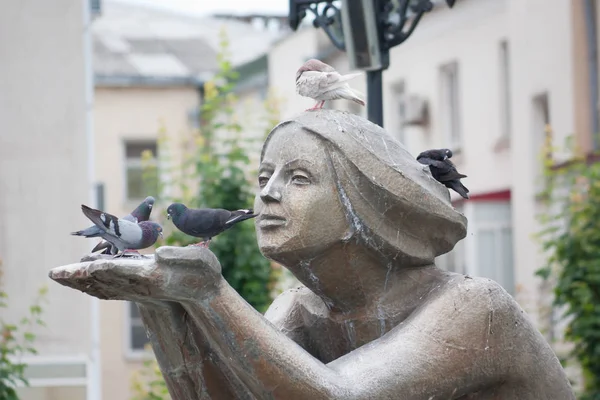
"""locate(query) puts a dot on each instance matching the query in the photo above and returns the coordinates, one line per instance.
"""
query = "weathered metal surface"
(352, 214)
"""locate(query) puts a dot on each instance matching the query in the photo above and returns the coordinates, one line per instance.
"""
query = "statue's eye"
(263, 180)
(300, 179)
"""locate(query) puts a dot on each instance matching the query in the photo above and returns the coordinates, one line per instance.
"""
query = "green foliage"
(571, 239)
(214, 171)
(213, 174)
(17, 340)
(148, 383)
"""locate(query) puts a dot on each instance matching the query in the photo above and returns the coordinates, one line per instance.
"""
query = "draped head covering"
(392, 203)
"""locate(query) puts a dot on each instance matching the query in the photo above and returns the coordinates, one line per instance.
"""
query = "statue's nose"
(271, 192)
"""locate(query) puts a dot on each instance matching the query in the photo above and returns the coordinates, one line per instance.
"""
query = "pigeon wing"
(112, 226)
(201, 222)
(333, 80)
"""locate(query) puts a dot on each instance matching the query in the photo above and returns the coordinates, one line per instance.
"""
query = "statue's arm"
(420, 356)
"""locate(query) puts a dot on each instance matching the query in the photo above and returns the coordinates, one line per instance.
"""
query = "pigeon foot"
(129, 253)
(317, 106)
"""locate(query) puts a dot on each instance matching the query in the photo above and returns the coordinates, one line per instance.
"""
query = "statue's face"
(300, 212)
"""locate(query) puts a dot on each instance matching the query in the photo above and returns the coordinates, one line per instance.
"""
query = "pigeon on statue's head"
(443, 170)
(321, 82)
(141, 213)
(205, 223)
(125, 235)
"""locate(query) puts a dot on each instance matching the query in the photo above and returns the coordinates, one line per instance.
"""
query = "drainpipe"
(592, 47)
(93, 373)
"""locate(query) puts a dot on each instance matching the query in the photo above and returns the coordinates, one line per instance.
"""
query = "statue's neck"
(352, 280)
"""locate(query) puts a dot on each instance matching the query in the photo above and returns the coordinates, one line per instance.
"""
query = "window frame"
(130, 353)
(136, 162)
(450, 106)
(472, 266)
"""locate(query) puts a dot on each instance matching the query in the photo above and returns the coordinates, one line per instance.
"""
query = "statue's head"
(328, 178)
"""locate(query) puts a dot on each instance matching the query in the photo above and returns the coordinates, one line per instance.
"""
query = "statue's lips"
(269, 220)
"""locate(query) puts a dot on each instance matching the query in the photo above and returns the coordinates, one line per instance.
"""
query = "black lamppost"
(367, 30)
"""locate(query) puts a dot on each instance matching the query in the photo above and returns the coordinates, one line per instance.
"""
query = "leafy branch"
(17, 340)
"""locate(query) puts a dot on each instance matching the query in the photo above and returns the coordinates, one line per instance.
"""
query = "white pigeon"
(321, 82)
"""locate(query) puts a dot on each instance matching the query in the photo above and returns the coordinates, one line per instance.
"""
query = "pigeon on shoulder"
(205, 223)
(443, 170)
(321, 82)
(141, 213)
(125, 235)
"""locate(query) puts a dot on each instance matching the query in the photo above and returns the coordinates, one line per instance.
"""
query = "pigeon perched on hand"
(141, 213)
(322, 82)
(443, 170)
(205, 223)
(126, 236)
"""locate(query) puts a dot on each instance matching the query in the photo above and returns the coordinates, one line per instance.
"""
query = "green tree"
(148, 383)
(214, 175)
(17, 340)
(571, 241)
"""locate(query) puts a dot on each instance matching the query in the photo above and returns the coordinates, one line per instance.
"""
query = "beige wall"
(43, 165)
(122, 114)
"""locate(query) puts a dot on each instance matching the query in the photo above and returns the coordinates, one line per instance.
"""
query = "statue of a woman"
(359, 222)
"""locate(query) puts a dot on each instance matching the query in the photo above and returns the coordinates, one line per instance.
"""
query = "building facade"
(485, 79)
(46, 173)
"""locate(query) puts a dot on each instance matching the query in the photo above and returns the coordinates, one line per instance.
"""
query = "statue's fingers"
(117, 279)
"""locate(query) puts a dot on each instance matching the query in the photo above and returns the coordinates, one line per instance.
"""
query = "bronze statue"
(359, 222)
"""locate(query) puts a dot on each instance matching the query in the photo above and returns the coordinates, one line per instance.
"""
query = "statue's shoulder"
(469, 302)
(480, 294)
(288, 307)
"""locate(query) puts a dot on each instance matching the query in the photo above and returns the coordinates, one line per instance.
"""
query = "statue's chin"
(275, 253)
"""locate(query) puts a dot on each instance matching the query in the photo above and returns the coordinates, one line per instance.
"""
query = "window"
(400, 96)
(454, 261)
(450, 107)
(541, 134)
(505, 114)
(141, 172)
(492, 231)
(56, 377)
(487, 250)
(137, 338)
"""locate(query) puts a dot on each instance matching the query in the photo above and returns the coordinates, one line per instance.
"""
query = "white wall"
(43, 167)
(541, 37)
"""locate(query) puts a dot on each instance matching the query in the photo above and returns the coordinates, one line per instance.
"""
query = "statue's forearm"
(189, 366)
(268, 362)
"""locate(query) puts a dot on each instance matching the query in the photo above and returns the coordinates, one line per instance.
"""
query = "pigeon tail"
(92, 231)
(459, 188)
(102, 245)
(359, 101)
(239, 216)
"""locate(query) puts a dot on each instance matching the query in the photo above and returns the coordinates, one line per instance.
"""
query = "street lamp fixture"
(366, 30)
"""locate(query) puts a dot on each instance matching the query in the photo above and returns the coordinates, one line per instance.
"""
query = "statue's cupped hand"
(175, 274)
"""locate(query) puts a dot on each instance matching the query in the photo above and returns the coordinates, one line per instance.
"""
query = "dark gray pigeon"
(205, 223)
(140, 214)
(125, 235)
(443, 170)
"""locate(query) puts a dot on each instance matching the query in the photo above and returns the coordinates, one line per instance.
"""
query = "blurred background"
(104, 102)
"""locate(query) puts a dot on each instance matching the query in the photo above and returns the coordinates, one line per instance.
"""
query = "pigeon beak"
(445, 157)
(161, 234)
(168, 216)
